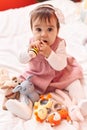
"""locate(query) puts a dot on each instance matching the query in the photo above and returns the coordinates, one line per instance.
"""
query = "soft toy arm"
(16, 89)
(63, 98)
(26, 99)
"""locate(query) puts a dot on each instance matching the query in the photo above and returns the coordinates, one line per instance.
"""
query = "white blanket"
(15, 33)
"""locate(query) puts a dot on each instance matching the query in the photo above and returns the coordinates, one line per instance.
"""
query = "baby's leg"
(76, 92)
(83, 107)
(20, 109)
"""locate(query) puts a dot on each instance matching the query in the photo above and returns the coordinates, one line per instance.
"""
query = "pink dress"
(48, 79)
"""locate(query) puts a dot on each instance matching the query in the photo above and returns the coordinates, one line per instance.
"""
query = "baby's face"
(45, 30)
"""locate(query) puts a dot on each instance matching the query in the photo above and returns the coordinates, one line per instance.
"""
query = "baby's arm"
(58, 59)
(24, 55)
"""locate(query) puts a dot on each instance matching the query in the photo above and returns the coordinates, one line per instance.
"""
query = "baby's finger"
(43, 42)
(35, 44)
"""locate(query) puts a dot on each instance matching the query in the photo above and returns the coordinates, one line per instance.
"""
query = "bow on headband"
(57, 11)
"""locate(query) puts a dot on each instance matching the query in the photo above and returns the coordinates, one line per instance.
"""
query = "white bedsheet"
(14, 34)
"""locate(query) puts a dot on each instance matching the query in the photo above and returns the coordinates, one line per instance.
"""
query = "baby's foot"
(75, 114)
(20, 109)
(83, 107)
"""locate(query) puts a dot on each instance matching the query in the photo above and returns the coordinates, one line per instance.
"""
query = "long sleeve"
(24, 55)
(58, 59)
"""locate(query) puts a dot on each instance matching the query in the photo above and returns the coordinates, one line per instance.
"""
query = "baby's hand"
(35, 44)
(39, 47)
(45, 49)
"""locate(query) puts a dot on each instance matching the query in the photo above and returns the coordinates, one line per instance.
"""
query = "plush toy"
(49, 110)
(74, 112)
(42, 107)
(8, 86)
(27, 89)
(56, 117)
(4, 76)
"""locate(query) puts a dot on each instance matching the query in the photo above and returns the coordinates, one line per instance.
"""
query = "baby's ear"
(30, 77)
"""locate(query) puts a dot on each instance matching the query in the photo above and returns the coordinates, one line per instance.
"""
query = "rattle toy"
(33, 52)
(42, 107)
(56, 117)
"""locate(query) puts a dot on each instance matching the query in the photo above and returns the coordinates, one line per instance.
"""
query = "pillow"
(9, 4)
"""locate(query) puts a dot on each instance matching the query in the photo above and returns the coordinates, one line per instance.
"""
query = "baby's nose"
(43, 33)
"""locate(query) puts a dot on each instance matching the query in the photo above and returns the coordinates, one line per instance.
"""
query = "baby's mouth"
(45, 41)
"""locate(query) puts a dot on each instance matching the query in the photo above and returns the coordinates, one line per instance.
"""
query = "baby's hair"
(43, 12)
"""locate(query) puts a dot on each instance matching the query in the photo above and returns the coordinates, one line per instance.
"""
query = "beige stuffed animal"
(4, 76)
(8, 87)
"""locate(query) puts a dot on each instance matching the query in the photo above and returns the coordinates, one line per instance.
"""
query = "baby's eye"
(50, 29)
(38, 29)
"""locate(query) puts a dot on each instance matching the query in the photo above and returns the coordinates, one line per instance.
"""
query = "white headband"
(57, 11)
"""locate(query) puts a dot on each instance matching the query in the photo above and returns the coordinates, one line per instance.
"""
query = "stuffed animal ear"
(17, 88)
(30, 77)
(14, 78)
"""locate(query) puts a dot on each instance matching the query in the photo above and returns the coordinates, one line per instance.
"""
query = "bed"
(15, 33)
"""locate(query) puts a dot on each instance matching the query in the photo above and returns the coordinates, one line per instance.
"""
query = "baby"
(52, 68)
